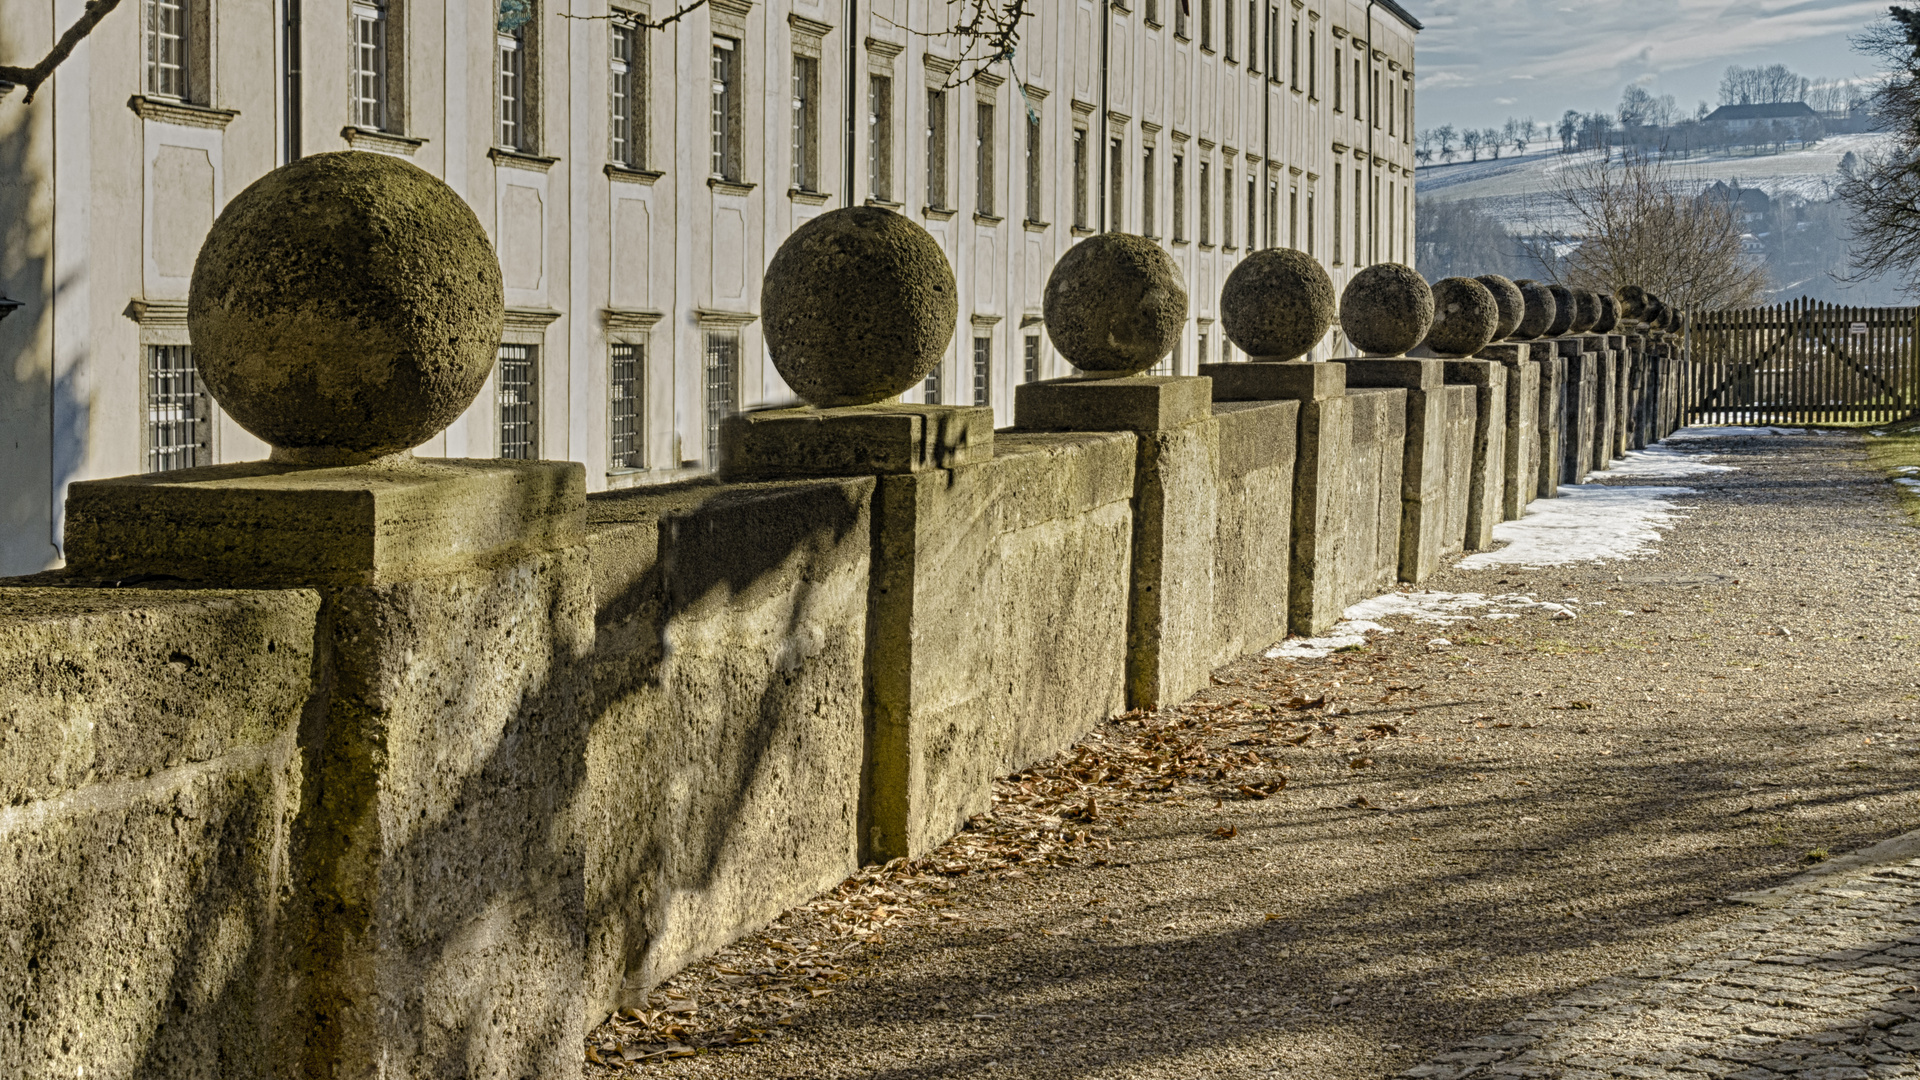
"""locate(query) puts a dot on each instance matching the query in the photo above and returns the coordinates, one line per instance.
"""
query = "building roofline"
(1402, 14)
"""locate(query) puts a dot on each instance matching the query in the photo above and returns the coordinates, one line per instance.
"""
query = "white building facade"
(636, 180)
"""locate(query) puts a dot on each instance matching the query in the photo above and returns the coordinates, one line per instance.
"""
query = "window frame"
(939, 186)
(626, 91)
(984, 123)
(517, 421)
(724, 163)
(174, 410)
(804, 83)
(369, 61)
(880, 137)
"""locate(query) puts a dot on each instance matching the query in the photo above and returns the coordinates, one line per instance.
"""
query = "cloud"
(1506, 101)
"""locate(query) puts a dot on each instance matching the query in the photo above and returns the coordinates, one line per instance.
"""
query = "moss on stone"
(1277, 303)
(1386, 309)
(1115, 304)
(1541, 309)
(1512, 304)
(859, 304)
(1633, 302)
(1586, 311)
(1609, 314)
(346, 306)
(1565, 309)
(1465, 315)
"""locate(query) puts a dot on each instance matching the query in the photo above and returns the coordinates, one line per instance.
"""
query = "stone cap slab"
(1509, 353)
(1475, 372)
(858, 440)
(1139, 403)
(1568, 346)
(1261, 380)
(258, 523)
(1401, 372)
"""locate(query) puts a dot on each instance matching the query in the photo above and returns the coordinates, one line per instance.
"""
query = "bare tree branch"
(32, 77)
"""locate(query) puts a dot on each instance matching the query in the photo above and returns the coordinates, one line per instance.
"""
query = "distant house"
(1742, 117)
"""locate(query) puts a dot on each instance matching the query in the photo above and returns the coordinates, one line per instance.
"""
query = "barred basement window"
(1032, 367)
(179, 413)
(370, 66)
(516, 393)
(625, 379)
(982, 370)
(930, 390)
(166, 47)
(627, 90)
(722, 382)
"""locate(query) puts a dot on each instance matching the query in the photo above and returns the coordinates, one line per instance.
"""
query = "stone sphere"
(858, 306)
(1541, 309)
(1277, 303)
(1115, 305)
(1587, 314)
(1465, 315)
(1386, 309)
(1566, 309)
(1609, 314)
(1654, 312)
(345, 307)
(1511, 302)
(1633, 302)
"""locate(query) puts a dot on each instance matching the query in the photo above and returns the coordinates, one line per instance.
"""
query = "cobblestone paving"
(1818, 984)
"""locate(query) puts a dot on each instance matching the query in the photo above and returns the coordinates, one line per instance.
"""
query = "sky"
(1481, 61)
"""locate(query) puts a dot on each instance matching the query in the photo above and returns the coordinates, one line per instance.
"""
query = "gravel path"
(1467, 834)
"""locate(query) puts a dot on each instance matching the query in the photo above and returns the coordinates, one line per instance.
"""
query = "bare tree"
(1490, 139)
(1883, 189)
(1635, 106)
(1445, 135)
(32, 77)
(1628, 220)
(1470, 142)
(1761, 85)
(1569, 127)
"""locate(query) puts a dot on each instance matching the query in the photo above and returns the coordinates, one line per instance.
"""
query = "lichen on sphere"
(1465, 316)
(858, 305)
(1114, 305)
(346, 306)
(1609, 314)
(1541, 309)
(1633, 302)
(1566, 308)
(1277, 304)
(1386, 309)
(1511, 303)
(1586, 311)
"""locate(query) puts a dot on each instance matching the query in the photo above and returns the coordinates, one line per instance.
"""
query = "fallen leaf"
(1226, 832)
(1360, 763)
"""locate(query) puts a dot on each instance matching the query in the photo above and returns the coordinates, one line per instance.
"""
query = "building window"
(1339, 95)
(1406, 105)
(725, 164)
(722, 382)
(1226, 29)
(1180, 18)
(880, 138)
(1375, 99)
(1293, 218)
(179, 412)
(1313, 63)
(1339, 236)
(1200, 350)
(1310, 223)
(930, 389)
(806, 123)
(1206, 204)
(982, 370)
(1359, 88)
(1147, 221)
(1273, 212)
(1253, 203)
(1206, 24)
(1293, 53)
(626, 86)
(516, 392)
(1116, 179)
(1032, 372)
(625, 375)
(1254, 38)
(516, 88)
(937, 149)
(290, 81)
(1359, 215)
(1226, 206)
(983, 157)
(1034, 157)
(166, 47)
(1179, 198)
(1080, 178)
(370, 67)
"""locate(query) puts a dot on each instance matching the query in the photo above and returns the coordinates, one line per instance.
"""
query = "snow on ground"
(1439, 608)
(1590, 523)
(1702, 432)
(1660, 461)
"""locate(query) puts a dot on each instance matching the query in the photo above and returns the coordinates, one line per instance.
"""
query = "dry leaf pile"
(1059, 813)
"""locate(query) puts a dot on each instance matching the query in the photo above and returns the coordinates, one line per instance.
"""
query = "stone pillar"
(1622, 395)
(1487, 485)
(1520, 470)
(1582, 381)
(1604, 401)
(437, 902)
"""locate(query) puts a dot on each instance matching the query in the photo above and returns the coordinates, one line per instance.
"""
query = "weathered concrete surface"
(150, 773)
(1141, 403)
(1369, 556)
(1578, 400)
(865, 440)
(1487, 479)
(1254, 469)
(725, 757)
(1553, 390)
(1459, 467)
(1425, 515)
(1605, 406)
(1622, 395)
(1522, 449)
(948, 585)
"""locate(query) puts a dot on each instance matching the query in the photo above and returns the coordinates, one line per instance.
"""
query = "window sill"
(1204, 246)
(380, 142)
(1155, 237)
(520, 159)
(630, 175)
(1153, 24)
(169, 111)
(1082, 230)
(939, 213)
(1036, 226)
(1183, 38)
(809, 198)
(885, 204)
(729, 187)
(1208, 49)
(1178, 241)
(986, 219)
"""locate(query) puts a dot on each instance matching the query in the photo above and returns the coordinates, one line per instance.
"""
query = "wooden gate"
(1805, 362)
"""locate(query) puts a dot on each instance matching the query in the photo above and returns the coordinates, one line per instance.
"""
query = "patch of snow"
(1910, 485)
(1660, 461)
(1590, 523)
(1702, 432)
(1429, 607)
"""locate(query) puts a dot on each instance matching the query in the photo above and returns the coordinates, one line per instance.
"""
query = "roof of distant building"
(1773, 110)
(1403, 14)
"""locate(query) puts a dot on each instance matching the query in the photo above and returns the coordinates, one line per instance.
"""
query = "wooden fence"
(1803, 363)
